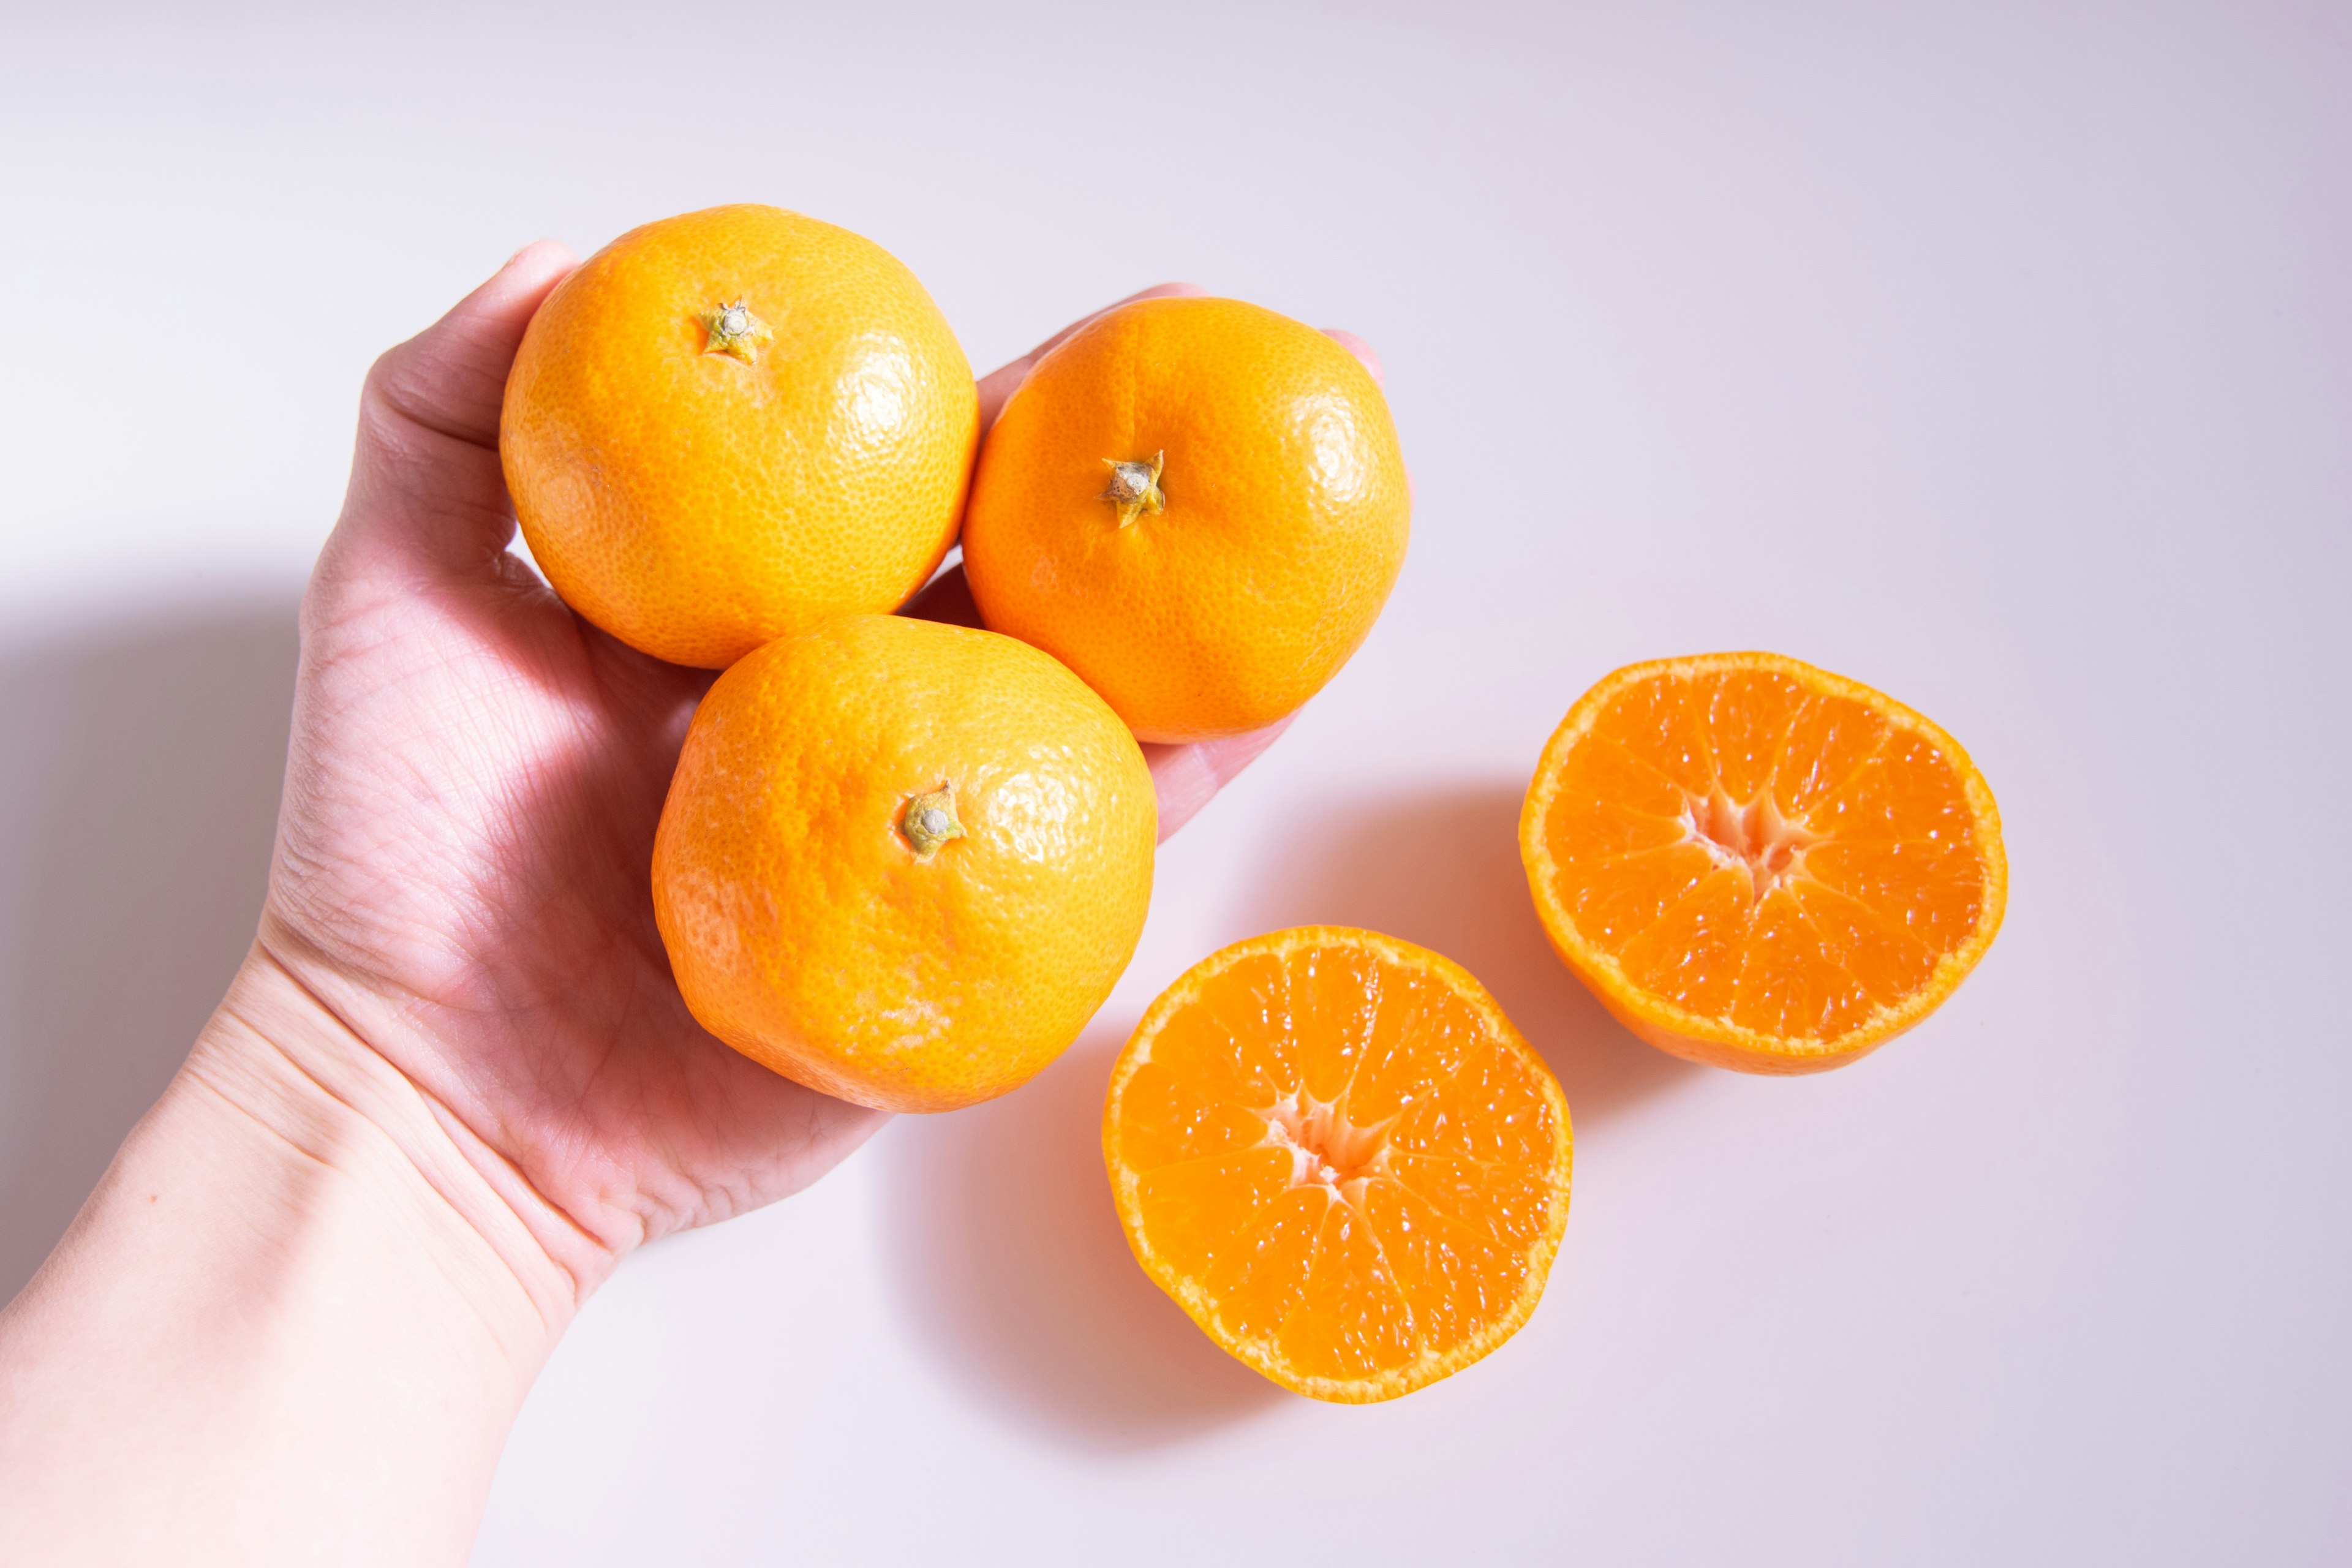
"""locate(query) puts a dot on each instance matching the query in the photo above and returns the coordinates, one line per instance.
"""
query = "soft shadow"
(138, 799)
(1442, 869)
(1007, 1251)
(1012, 1267)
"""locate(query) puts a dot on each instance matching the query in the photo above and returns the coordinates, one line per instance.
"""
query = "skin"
(451, 1088)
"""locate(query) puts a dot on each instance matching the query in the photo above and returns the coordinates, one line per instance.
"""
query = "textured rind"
(802, 927)
(1197, 1302)
(1718, 1042)
(694, 505)
(1286, 517)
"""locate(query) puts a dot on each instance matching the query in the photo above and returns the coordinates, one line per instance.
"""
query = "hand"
(453, 1084)
(475, 774)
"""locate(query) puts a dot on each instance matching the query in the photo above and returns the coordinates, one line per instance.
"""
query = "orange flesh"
(1765, 847)
(1334, 1151)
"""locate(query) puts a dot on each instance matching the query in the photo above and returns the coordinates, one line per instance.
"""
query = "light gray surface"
(1998, 356)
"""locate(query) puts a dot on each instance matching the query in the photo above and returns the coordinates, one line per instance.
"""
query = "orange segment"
(1759, 864)
(1335, 1151)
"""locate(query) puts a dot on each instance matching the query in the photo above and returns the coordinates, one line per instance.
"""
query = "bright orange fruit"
(903, 862)
(1335, 1151)
(1198, 505)
(1759, 864)
(729, 426)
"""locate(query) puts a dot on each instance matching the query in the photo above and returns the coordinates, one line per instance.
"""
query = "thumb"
(424, 473)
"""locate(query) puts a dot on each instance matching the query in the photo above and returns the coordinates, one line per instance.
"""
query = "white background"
(1997, 354)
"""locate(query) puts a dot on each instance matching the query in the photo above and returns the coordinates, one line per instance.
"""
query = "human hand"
(461, 876)
(453, 1083)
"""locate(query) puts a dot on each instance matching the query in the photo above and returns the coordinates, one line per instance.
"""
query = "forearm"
(293, 1323)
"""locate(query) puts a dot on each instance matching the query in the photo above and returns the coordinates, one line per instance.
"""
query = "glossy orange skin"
(1284, 527)
(694, 505)
(1897, 894)
(803, 926)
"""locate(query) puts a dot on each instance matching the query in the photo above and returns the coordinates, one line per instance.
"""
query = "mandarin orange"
(1337, 1155)
(1761, 865)
(1198, 505)
(902, 862)
(727, 426)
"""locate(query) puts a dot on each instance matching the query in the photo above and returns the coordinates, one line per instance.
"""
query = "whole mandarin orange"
(729, 426)
(903, 862)
(1198, 505)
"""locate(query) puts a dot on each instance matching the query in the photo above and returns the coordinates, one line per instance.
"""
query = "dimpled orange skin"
(802, 925)
(1285, 523)
(695, 503)
(1760, 865)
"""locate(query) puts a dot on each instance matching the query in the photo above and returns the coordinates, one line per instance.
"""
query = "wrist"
(294, 1323)
(278, 1059)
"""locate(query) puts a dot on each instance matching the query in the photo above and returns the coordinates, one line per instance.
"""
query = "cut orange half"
(1759, 864)
(1337, 1155)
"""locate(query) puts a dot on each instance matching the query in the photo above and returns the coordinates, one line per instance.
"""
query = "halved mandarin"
(1760, 865)
(1337, 1155)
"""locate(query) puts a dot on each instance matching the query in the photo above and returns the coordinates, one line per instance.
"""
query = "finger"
(1003, 382)
(1185, 778)
(425, 476)
(1189, 776)
(946, 598)
(1362, 350)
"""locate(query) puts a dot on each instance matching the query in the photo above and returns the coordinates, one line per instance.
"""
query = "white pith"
(1754, 837)
(1326, 1148)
